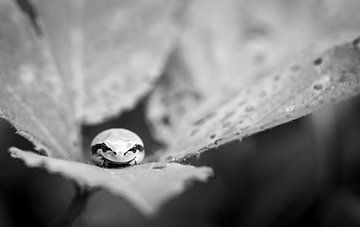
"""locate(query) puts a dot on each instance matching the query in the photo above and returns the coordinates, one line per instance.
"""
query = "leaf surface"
(147, 186)
(32, 93)
(111, 51)
(313, 80)
(228, 45)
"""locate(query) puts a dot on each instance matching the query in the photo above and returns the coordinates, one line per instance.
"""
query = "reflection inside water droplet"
(289, 108)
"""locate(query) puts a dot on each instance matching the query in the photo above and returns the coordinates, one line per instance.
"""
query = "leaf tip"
(14, 152)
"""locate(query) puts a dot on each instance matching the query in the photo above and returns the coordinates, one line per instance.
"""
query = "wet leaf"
(111, 52)
(313, 80)
(228, 45)
(83, 61)
(147, 186)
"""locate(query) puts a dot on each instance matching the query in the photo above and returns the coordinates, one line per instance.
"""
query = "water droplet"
(237, 133)
(318, 61)
(217, 141)
(318, 87)
(290, 108)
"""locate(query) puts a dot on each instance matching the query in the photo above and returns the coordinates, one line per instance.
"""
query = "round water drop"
(318, 86)
(290, 108)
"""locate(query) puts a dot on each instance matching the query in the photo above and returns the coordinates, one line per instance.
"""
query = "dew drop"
(318, 87)
(317, 61)
(237, 133)
(217, 141)
(290, 108)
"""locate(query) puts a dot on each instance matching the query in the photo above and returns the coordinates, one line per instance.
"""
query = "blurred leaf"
(32, 93)
(313, 80)
(228, 45)
(111, 51)
(147, 186)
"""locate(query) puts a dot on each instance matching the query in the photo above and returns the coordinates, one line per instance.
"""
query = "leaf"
(228, 45)
(313, 80)
(147, 186)
(111, 52)
(39, 102)
(32, 93)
